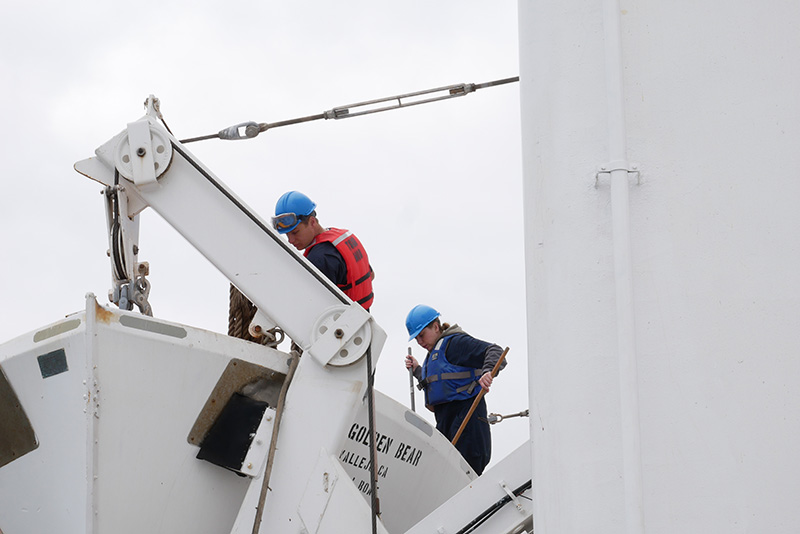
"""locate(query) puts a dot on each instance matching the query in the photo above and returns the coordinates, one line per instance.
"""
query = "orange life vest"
(359, 272)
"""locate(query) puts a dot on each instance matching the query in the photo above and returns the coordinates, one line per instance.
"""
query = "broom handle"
(479, 397)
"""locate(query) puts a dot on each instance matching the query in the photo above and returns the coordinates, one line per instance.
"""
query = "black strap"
(361, 280)
(365, 277)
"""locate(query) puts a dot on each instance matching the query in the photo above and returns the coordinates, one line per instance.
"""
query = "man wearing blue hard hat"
(455, 370)
(337, 253)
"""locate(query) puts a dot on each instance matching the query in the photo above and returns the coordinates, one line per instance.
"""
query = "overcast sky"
(433, 191)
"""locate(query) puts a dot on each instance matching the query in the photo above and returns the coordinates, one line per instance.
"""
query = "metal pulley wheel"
(349, 351)
(161, 153)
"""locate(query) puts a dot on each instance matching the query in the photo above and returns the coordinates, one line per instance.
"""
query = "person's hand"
(485, 380)
(411, 362)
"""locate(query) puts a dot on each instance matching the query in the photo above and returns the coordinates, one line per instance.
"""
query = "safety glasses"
(286, 221)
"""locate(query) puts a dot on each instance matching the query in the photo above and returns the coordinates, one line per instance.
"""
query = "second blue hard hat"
(418, 318)
(291, 203)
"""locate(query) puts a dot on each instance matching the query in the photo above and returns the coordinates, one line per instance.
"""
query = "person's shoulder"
(453, 330)
(456, 336)
(323, 248)
(334, 231)
(459, 337)
(327, 259)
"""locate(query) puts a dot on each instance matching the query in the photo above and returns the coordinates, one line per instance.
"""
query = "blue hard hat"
(418, 318)
(289, 210)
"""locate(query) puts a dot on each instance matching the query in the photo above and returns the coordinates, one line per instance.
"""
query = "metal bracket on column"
(513, 497)
(619, 165)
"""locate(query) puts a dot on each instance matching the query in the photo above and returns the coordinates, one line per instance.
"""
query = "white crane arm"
(147, 167)
(154, 169)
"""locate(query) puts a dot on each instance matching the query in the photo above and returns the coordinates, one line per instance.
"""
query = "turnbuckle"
(496, 417)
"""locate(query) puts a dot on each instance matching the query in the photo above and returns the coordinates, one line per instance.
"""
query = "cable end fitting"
(245, 130)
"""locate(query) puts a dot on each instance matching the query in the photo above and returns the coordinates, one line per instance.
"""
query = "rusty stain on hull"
(103, 315)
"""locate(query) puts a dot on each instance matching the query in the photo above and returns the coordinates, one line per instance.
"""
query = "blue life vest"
(444, 381)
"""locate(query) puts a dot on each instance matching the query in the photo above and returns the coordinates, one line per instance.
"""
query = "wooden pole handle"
(495, 370)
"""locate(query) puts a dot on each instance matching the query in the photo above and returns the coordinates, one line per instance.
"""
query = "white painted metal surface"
(329, 328)
(112, 428)
(144, 389)
(34, 495)
(459, 511)
(220, 225)
(663, 300)
(710, 109)
(412, 455)
(114, 453)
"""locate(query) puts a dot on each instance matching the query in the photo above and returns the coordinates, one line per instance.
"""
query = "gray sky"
(433, 191)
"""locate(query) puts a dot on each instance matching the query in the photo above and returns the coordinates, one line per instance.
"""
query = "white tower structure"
(662, 172)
